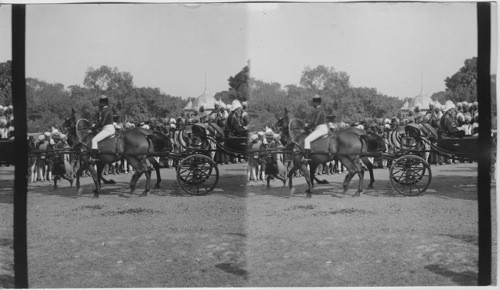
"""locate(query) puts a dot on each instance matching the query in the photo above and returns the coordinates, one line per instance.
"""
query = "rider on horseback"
(104, 123)
(318, 123)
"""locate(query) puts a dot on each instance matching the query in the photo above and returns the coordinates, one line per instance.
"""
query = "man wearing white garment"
(105, 123)
(318, 122)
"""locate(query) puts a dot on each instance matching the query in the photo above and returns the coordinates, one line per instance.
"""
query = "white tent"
(189, 106)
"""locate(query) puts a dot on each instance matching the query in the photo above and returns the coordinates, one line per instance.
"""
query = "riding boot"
(307, 155)
(94, 153)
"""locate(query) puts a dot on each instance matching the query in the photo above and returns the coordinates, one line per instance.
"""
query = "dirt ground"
(246, 235)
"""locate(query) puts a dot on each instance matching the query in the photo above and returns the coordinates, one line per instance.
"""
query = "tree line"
(49, 104)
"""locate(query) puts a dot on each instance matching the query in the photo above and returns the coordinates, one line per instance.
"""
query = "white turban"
(235, 105)
(448, 105)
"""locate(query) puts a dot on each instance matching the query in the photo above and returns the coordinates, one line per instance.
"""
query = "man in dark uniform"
(104, 123)
(318, 122)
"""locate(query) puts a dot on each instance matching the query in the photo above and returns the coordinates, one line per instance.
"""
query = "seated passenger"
(235, 124)
(448, 123)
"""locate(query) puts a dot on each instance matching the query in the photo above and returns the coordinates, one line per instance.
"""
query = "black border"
(21, 159)
(485, 142)
(20, 145)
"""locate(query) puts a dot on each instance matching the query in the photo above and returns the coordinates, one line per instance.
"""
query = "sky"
(168, 46)
(387, 46)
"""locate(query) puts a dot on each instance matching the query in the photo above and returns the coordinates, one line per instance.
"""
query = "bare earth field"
(245, 235)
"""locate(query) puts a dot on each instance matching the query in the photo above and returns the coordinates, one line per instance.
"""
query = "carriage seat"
(203, 129)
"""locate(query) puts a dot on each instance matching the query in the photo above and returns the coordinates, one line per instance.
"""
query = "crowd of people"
(226, 121)
(449, 120)
(6, 122)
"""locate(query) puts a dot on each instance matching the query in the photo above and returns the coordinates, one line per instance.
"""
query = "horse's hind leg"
(369, 165)
(140, 167)
(360, 172)
(351, 170)
(156, 166)
(148, 180)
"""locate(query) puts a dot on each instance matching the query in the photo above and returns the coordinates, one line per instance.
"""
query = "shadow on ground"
(465, 278)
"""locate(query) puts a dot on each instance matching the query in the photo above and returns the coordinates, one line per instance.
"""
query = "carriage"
(197, 173)
(417, 141)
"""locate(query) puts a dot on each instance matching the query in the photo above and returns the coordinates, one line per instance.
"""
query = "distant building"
(206, 100)
(420, 100)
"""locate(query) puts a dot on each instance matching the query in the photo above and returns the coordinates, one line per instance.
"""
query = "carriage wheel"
(296, 127)
(197, 174)
(410, 175)
(83, 127)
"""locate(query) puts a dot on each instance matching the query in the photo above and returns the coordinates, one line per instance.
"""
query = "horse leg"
(95, 177)
(147, 173)
(101, 176)
(359, 170)
(361, 173)
(139, 169)
(351, 170)
(156, 166)
(79, 172)
(307, 175)
(292, 171)
(312, 173)
(56, 177)
(268, 179)
(100, 168)
(369, 165)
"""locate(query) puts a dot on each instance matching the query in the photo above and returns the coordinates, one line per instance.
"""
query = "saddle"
(114, 141)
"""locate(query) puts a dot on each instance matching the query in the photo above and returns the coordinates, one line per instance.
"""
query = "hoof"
(357, 194)
(157, 186)
(95, 196)
(308, 195)
(145, 193)
(370, 187)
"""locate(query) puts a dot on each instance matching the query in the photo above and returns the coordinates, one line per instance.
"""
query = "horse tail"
(323, 181)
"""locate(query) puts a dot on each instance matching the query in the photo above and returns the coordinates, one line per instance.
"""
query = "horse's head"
(282, 124)
(69, 126)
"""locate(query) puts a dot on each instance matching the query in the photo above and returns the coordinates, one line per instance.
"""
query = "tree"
(6, 83)
(224, 96)
(110, 81)
(47, 104)
(463, 84)
(238, 85)
(324, 78)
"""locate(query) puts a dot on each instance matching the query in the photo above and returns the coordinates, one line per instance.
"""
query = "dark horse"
(133, 145)
(345, 145)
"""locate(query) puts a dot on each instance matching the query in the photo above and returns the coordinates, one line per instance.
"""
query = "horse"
(375, 144)
(134, 145)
